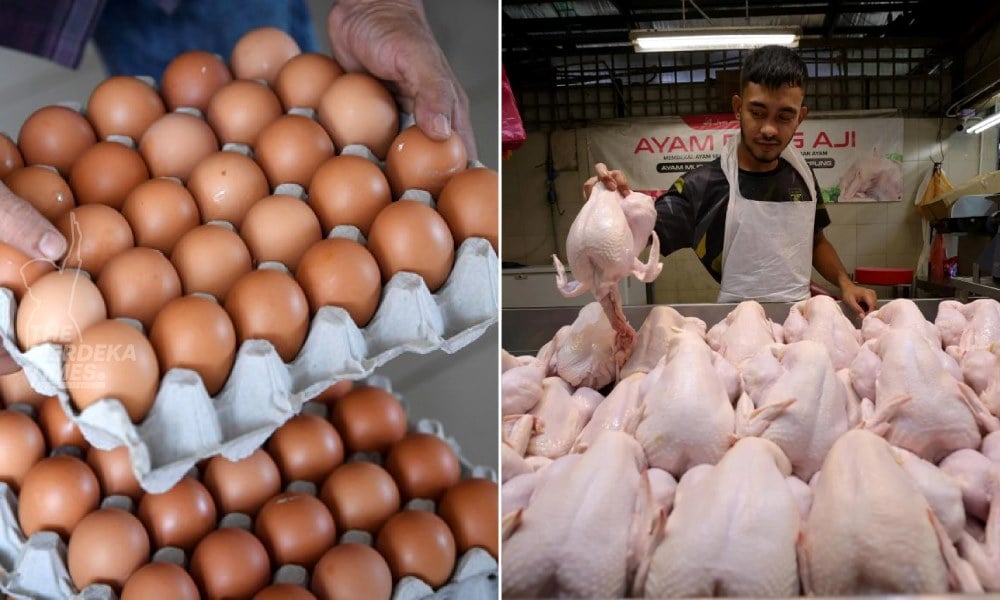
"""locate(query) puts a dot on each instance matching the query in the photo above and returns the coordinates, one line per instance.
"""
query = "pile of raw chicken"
(756, 458)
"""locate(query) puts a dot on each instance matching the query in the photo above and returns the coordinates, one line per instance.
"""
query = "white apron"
(767, 251)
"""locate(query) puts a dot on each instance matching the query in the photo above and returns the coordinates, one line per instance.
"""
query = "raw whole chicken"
(942, 491)
(620, 411)
(919, 405)
(871, 531)
(744, 331)
(872, 179)
(900, 313)
(687, 415)
(821, 319)
(794, 398)
(656, 331)
(981, 370)
(584, 354)
(562, 413)
(974, 474)
(733, 529)
(603, 247)
(512, 463)
(588, 529)
(971, 326)
(521, 388)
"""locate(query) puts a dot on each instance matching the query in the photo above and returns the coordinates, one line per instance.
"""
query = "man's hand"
(392, 40)
(613, 180)
(24, 228)
(861, 299)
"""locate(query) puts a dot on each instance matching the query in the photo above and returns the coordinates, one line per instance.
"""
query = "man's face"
(768, 119)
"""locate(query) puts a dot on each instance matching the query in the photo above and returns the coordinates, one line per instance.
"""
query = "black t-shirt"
(695, 206)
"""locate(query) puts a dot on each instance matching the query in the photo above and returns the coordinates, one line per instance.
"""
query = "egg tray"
(35, 568)
(186, 425)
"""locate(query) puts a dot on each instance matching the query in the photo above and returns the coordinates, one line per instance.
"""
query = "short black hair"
(773, 67)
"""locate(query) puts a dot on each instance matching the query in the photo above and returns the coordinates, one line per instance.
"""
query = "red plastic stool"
(900, 279)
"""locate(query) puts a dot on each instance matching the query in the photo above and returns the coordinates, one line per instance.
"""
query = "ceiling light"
(714, 38)
(985, 124)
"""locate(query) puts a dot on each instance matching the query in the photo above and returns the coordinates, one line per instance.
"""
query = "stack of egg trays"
(35, 568)
(186, 425)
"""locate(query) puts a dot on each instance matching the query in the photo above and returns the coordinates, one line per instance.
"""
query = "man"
(757, 237)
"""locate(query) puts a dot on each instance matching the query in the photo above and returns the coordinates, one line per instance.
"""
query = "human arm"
(392, 40)
(827, 262)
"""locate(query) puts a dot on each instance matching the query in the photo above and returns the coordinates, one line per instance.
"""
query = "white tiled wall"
(886, 234)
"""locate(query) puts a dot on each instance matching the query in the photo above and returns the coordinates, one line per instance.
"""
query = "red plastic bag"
(511, 126)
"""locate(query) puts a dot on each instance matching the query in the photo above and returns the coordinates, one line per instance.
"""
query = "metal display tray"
(526, 330)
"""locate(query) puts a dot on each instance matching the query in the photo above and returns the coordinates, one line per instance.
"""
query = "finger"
(588, 187)
(621, 183)
(462, 121)
(855, 307)
(24, 228)
(606, 177)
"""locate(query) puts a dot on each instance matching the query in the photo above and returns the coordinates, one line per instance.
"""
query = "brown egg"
(357, 109)
(280, 228)
(21, 446)
(291, 148)
(56, 493)
(230, 563)
(44, 188)
(137, 284)
(210, 259)
(261, 53)
(179, 517)
(295, 528)
(225, 185)
(360, 495)
(18, 270)
(411, 236)
(242, 486)
(160, 580)
(241, 109)
(470, 510)
(58, 428)
(113, 469)
(418, 543)
(10, 156)
(175, 144)
(423, 465)
(123, 105)
(417, 162)
(113, 360)
(55, 136)
(159, 212)
(191, 78)
(15, 388)
(306, 448)
(341, 272)
(349, 571)
(95, 233)
(268, 305)
(335, 391)
(195, 333)
(107, 546)
(284, 591)
(57, 308)
(304, 78)
(469, 205)
(348, 190)
(105, 174)
(369, 418)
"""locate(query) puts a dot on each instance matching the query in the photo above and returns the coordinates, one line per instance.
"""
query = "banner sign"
(855, 159)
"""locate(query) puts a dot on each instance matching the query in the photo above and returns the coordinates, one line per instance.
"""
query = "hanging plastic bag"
(511, 126)
(934, 184)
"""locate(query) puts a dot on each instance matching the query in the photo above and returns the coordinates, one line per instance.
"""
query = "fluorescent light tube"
(717, 38)
(985, 124)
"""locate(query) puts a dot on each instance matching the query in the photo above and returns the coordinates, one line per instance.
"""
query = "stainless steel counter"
(526, 330)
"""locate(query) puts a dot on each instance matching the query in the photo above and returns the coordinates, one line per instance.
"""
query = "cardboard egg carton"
(36, 568)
